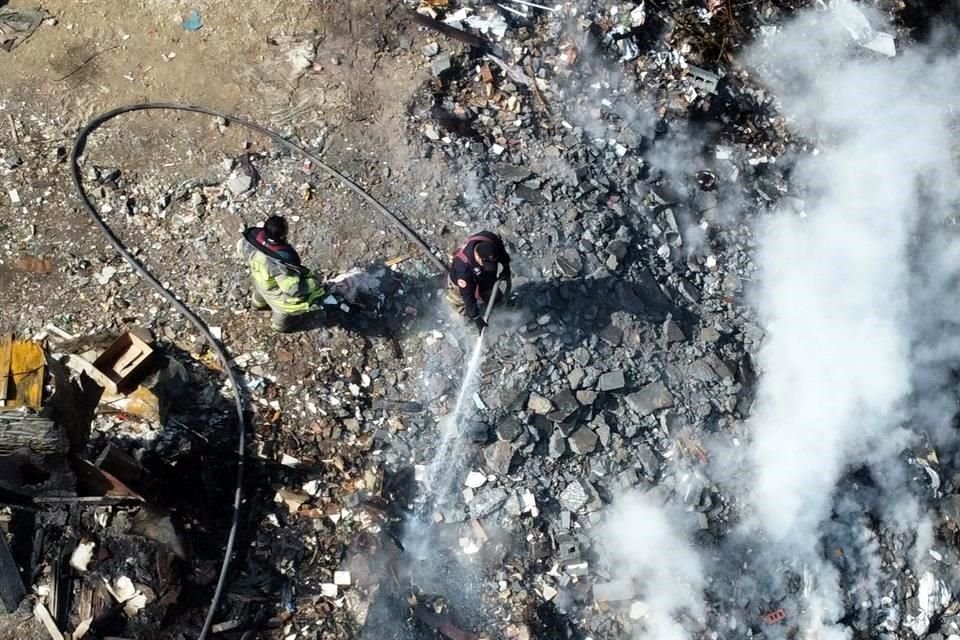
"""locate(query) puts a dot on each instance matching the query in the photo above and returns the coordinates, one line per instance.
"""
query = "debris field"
(720, 401)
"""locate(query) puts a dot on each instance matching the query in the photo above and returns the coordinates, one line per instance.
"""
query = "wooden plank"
(5, 346)
(27, 368)
(43, 615)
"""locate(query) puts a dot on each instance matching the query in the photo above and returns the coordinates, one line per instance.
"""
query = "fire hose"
(78, 149)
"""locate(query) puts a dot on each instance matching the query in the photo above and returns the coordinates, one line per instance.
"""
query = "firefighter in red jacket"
(475, 269)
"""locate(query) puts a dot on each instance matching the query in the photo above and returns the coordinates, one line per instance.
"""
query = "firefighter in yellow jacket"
(280, 282)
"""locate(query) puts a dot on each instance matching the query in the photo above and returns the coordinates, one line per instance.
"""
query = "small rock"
(440, 65)
(603, 432)
(648, 461)
(431, 49)
(580, 495)
(617, 248)
(487, 501)
(12, 162)
(240, 184)
(576, 378)
(498, 457)
(475, 480)
(611, 381)
(583, 441)
(586, 397)
(511, 172)
(612, 335)
(557, 445)
(538, 404)
(569, 263)
(709, 334)
(672, 332)
(509, 429)
(477, 431)
(650, 398)
(566, 404)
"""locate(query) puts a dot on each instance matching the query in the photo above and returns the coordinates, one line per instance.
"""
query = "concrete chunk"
(583, 441)
(650, 398)
(239, 185)
(538, 404)
(611, 381)
(613, 591)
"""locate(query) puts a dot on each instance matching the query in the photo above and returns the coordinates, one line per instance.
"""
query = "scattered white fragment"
(312, 488)
(529, 502)
(217, 332)
(123, 589)
(342, 578)
(639, 610)
(14, 196)
(478, 402)
(82, 556)
(468, 546)
(548, 592)
(475, 480)
(106, 274)
(134, 605)
(329, 590)
(496, 149)
(289, 461)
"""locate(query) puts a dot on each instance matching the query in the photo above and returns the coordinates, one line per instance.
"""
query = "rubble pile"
(626, 158)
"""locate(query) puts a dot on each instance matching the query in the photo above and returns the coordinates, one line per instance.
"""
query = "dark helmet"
(275, 228)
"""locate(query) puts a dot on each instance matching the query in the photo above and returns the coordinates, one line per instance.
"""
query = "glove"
(480, 323)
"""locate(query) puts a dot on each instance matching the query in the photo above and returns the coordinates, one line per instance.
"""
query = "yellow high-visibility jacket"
(285, 285)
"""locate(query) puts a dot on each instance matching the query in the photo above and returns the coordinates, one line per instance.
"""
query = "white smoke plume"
(837, 288)
(840, 286)
(646, 543)
(857, 297)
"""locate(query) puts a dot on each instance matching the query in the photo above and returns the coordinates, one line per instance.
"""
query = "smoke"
(856, 297)
(645, 543)
(838, 286)
(839, 296)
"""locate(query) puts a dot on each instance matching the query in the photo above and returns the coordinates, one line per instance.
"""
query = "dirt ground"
(95, 55)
